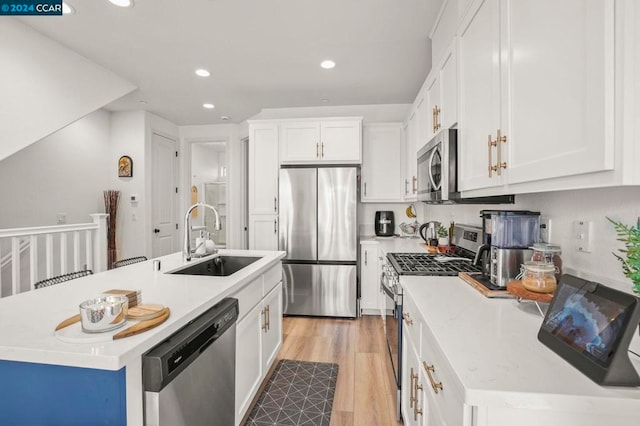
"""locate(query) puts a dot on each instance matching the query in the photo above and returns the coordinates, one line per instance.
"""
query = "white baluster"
(33, 259)
(15, 265)
(89, 248)
(49, 254)
(76, 251)
(63, 254)
(100, 247)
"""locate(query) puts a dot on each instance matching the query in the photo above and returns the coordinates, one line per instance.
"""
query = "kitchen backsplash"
(367, 211)
(564, 208)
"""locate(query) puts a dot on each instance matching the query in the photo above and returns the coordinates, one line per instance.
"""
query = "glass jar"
(539, 277)
(548, 253)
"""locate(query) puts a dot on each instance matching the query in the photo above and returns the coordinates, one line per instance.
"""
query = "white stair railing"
(28, 239)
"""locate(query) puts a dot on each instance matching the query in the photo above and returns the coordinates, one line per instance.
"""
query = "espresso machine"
(508, 236)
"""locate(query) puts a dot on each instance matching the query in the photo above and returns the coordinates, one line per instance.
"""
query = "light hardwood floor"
(365, 393)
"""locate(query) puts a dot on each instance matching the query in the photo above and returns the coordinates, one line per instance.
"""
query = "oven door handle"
(386, 289)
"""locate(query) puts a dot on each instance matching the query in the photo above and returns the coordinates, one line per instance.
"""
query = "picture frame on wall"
(125, 166)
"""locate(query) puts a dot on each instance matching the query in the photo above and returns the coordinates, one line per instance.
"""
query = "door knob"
(156, 231)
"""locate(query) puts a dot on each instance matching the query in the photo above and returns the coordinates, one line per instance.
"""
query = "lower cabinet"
(369, 279)
(258, 340)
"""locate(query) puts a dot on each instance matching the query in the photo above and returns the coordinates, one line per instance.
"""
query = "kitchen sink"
(220, 266)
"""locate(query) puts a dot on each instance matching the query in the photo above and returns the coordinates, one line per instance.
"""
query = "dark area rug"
(298, 393)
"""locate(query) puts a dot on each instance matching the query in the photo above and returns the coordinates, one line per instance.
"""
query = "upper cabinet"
(336, 141)
(381, 174)
(536, 91)
(263, 168)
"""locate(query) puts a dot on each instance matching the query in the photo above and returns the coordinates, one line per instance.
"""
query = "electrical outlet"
(545, 229)
(582, 235)
(62, 218)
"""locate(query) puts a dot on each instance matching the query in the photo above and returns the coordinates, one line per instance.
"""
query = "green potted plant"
(630, 236)
(443, 236)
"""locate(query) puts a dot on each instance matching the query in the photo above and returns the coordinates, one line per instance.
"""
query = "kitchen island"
(493, 370)
(48, 376)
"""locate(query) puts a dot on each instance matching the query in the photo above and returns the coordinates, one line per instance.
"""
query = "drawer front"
(442, 384)
(271, 278)
(412, 320)
(249, 296)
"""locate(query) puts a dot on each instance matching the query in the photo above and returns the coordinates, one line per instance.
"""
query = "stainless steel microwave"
(438, 173)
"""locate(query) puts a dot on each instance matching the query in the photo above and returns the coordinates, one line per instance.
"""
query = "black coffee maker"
(384, 224)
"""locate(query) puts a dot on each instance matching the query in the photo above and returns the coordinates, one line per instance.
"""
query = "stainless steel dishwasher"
(189, 378)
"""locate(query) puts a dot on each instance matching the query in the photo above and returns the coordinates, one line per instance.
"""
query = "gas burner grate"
(425, 264)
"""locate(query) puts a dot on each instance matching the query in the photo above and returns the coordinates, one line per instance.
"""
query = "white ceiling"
(261, 53)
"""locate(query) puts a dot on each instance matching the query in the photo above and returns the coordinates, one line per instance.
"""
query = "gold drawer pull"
(417, 411)
(407, 318)
(412, 389)
(431, 369)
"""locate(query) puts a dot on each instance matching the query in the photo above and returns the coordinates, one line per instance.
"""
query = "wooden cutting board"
(495, 294)
(145, 312)
(517, 289)
(74, 333)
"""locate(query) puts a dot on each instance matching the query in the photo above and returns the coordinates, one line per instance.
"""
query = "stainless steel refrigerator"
(318, 230)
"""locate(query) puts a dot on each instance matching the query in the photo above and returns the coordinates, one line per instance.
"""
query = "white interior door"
(163, 195)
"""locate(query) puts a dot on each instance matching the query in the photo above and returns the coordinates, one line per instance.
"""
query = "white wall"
(62, 173)
(563, 208)
(46, 86)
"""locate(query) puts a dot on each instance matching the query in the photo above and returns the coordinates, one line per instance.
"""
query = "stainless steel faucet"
(187, 227)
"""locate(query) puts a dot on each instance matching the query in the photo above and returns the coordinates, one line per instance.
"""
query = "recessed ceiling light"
(122, 3)
(224, 118)
(208, 106)
(201, 72)
(328, 64)
(67, 9)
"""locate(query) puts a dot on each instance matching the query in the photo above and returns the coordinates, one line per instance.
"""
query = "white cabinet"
(258, 336)
(423, 120)
(271, 327)
(336, 141)
(263, 168)
(263, 232)
(370, 298)
(263, 186)
(410, 159)
(534, 104)
(434, 106)
(448, 76)
(381, 173)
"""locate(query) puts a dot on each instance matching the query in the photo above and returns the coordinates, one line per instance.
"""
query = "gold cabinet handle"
(500, 164)
(417, 411)
(268, 316)
(433, 119)
(415, 184)
(431, 369)
(490, 144)
(406, 187)
(412, 388)
(322, 149)
(275, 226)
(264, 320)
(407, 318)
(365, 189)
(275, 204)
(317, 149)
(437, 118)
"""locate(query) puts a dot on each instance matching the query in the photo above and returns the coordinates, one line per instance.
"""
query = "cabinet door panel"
(263, 232)
(272, 337)
(369, 279)
(299, 142)
(248, 360)
(433, 103)
(263, 168)
(341, 141)
(479, 96)
(449, 89)
(560, 87)
(410, 184)
(381, 174)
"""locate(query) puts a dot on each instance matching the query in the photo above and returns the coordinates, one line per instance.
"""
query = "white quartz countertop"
(396, 244)
(28, 320)
(492, 346)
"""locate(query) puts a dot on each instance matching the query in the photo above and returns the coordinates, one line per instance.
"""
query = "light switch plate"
(582, 235)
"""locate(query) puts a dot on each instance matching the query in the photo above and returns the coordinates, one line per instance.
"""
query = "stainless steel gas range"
(467, 240)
